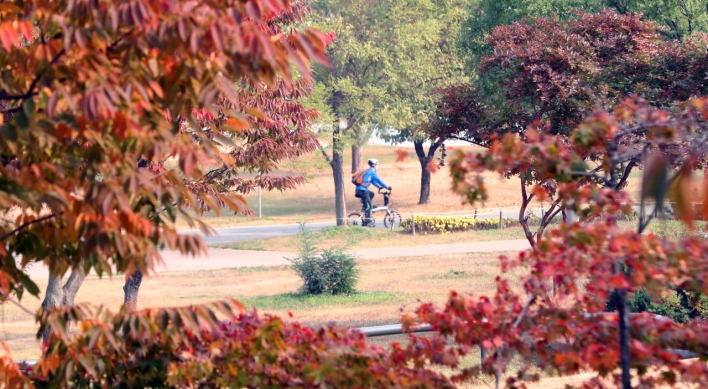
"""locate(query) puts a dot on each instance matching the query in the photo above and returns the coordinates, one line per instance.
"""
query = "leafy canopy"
(120, 116)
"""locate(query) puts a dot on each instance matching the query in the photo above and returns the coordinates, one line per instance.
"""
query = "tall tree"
(387, 57)
(588, 259)
(550, 73)
(121, 116)
(680, 18)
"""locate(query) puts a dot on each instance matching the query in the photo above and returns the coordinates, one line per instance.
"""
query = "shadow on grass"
(300, 300)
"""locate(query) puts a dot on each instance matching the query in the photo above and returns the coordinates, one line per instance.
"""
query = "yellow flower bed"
(443, 225)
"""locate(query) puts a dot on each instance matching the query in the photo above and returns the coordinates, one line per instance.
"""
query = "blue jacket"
(370, 177)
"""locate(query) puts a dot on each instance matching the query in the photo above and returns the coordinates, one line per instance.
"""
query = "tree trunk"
(424, 186)
(340, 198)
(525, 200)
(337, 162)
(72, 285)
(357, 158)
(131, 289)
(424, 159)
(52, 299)
(625, 355)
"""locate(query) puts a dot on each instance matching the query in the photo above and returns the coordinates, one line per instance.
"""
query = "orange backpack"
(358, 177)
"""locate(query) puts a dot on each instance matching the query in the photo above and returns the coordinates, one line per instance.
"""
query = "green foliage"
(677, 305)
(331, 271)
(288, 301)
(351, 235)
(387, 57)
(444, 225)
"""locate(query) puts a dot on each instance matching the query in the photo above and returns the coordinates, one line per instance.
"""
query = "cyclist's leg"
(366, 200)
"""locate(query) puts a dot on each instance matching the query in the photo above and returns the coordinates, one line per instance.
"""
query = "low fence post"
(475, 213)
(413, 223)
(500, 218)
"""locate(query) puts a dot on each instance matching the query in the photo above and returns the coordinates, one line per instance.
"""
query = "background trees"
(679, 19)
(550, 74)
(386, 59)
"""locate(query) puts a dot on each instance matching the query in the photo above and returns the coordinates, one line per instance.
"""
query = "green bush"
(677, 305)
(330, 271)
(443, 225)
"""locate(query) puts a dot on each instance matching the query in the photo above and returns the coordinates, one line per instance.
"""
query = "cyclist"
(362, 190)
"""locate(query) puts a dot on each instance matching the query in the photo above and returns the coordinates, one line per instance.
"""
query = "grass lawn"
(361, 237)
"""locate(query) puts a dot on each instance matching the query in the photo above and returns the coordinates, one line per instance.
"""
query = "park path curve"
(227, 258)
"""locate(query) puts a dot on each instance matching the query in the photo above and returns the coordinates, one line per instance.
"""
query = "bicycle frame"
(390, 215)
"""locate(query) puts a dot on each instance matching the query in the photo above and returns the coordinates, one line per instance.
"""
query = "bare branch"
(625, 174)
(16, 303)
(523, 312)
(25, 225)
(468, 140)
(324, 153)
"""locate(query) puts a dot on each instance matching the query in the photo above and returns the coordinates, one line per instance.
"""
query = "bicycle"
(392, 219)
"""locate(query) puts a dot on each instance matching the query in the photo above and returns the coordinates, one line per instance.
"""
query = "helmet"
(373, 161)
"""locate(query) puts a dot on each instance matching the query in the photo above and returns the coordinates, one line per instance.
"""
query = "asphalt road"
(234, 234)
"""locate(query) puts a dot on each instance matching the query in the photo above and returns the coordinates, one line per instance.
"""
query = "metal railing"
(397, 329)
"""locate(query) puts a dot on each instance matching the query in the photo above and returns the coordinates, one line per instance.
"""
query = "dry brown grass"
(404, 281)
(315, 200)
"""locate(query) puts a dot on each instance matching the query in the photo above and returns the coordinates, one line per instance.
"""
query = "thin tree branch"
(30, 91)
(326, 157)
(591, 175)
(16, 303)
(525, 200)
(523, 312)
(625, 174)
(546, 218)
(468, 140)
(25, 225)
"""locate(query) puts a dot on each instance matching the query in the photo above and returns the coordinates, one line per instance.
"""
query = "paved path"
(225, 258)
(234, 234)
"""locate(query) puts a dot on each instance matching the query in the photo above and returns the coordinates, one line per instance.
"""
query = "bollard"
(475, 213)
(413, 222)
(500, 218)
(542, 211)
(484, 352)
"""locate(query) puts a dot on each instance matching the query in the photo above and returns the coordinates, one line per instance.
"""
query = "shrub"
(442, 224)
(330, 271)
(678, 305)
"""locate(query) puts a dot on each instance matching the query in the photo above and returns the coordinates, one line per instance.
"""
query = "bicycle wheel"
(354, 219)
(392, 220)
